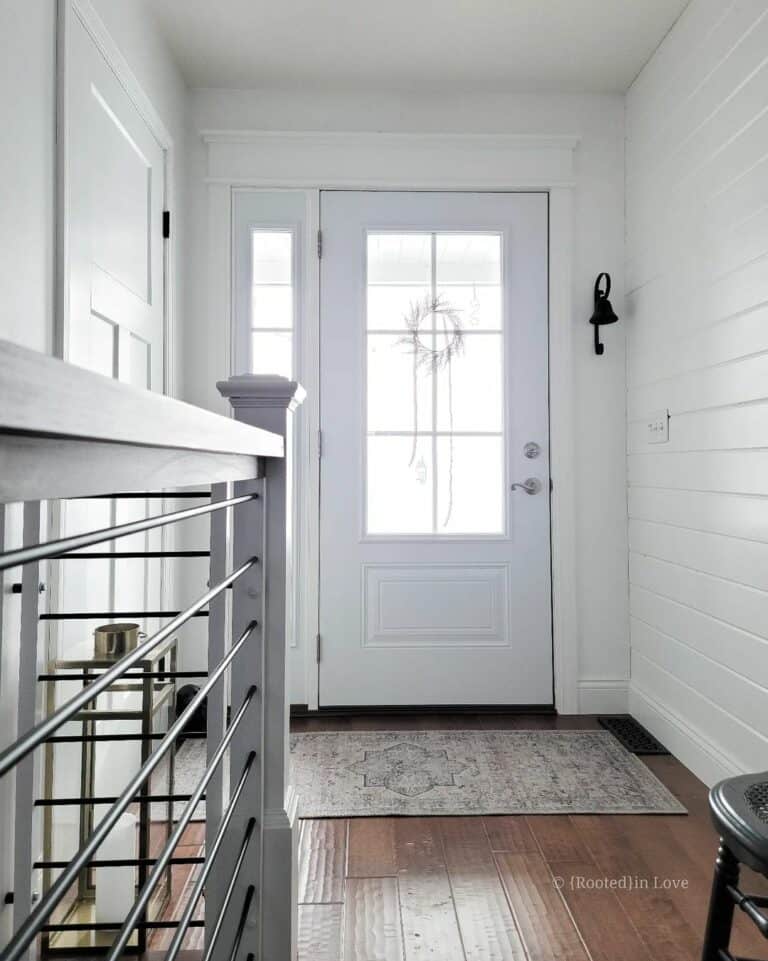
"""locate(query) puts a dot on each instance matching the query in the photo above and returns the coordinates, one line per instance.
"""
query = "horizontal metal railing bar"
(144, 896)
(41, 552)
(115, 925)
(95, 738)
(123, 555)
(108, 615)
(217, 928)
(118, 862)
(85, 801)
(197, 889)
(146, 495)
(107, 715)
(138, 676)
(31, 925)
(36, 735)
(241, 924)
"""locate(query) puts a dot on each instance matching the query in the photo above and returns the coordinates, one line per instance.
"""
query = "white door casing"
(312, 161)
(442, 614)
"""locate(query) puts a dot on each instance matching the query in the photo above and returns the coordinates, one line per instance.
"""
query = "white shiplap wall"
(697, 308)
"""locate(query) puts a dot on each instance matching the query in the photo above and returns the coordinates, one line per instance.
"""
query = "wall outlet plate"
(657, 427)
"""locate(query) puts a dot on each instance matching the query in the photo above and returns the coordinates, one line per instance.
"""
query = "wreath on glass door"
(433, 357)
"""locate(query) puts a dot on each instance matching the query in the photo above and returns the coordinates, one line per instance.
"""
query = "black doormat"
(632, 735)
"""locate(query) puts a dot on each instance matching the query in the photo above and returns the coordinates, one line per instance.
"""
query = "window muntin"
(435, 428)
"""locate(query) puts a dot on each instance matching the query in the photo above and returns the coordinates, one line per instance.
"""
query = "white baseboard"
(280, 896)
(603, 696)
(687, 744)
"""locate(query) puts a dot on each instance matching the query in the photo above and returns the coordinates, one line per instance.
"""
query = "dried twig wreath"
(433, 358)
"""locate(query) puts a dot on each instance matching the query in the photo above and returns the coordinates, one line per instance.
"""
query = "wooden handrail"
(46, 397)
(68, 432)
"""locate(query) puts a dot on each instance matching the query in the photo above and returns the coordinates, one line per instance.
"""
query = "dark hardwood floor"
(511, 888)
(184, 876)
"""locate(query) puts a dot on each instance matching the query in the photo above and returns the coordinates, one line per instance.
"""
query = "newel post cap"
(262, 390)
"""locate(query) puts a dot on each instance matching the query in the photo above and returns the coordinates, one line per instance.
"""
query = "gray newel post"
(269, 402)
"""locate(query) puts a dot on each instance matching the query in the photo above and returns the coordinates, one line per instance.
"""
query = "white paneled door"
(114, 318)
(435, 583)
(114, 171)
(113, 175)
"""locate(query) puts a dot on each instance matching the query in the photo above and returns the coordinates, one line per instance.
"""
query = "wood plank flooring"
(184, 876)
(541, 888)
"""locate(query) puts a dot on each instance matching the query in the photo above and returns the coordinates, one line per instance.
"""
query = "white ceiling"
(448, 46)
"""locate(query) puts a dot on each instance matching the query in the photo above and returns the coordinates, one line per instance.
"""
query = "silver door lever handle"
(532, 485)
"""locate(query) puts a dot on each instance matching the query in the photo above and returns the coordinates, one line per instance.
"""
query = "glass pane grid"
(435, 457)
(272, 301)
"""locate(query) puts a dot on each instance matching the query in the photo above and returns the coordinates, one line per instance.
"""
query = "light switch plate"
(657, 427)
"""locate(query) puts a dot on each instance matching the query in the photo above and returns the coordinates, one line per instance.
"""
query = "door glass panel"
(402, 497)
(272, 301)
(389, 305)
(468, 258)
(435, 372)
(468, 276)
(470, 482)
(470, 395)
(399, 258)
(392, 375)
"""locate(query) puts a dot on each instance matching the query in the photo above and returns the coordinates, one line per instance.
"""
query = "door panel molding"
(479, 592)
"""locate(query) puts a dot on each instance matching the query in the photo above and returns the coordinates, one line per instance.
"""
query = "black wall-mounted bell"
(603, 313)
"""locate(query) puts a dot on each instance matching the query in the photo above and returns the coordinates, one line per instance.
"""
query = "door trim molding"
(316, 161)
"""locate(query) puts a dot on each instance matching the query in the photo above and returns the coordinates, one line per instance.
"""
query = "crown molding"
(318, 138)
(386, 160)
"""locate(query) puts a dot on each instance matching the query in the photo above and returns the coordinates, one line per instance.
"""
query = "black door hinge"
(166, 224)
(317, 649)
(319, 245)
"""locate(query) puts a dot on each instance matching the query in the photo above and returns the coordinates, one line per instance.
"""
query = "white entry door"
(435, 581)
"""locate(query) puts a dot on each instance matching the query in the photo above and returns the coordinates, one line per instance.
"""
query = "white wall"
(697, 279)
(599, 382)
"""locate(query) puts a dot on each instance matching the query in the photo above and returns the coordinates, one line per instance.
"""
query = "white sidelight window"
(269, 258)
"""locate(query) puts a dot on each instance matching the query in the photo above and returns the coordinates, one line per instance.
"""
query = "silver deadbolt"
(531, 485)
(532, 450)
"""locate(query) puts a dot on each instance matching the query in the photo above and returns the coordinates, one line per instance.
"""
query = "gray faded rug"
(423, 773)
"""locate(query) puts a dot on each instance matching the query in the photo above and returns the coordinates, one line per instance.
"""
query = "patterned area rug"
(423, 773)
